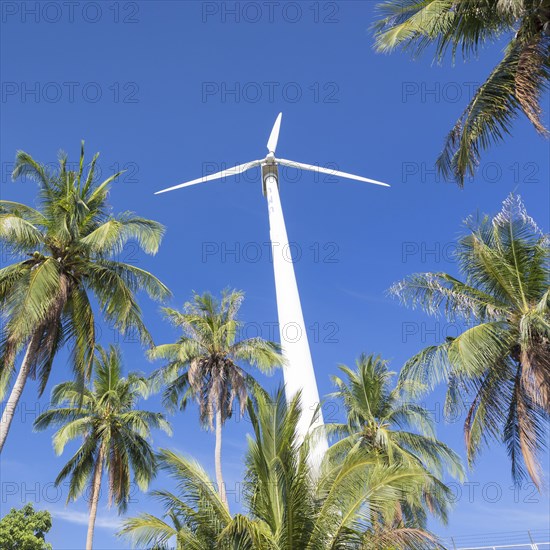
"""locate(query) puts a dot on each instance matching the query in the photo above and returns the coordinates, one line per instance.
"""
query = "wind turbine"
(298, 371)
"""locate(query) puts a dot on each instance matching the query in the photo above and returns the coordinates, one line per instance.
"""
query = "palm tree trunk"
(17, 390)
(218, 458)
(96, 487)
(32, 348)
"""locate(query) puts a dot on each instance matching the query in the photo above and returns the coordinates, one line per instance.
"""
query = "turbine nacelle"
(269, 166)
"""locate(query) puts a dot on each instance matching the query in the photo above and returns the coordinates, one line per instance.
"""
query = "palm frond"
(111, 236)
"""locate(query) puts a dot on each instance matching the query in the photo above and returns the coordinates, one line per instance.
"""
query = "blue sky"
(169, 90)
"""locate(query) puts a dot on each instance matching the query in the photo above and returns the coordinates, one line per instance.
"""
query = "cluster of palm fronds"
(67, 248)
(516, 84)
(362, 501)
(499, 369)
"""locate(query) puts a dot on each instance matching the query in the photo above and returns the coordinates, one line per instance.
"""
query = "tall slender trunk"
(17, 390)
(51, 318)
(218, 458)
(96, 488)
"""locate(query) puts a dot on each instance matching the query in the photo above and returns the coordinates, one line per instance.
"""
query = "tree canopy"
(25, 529)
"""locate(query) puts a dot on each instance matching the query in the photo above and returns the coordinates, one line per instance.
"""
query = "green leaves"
(204, 363)
(105, 417)
(416, 24)
(516, 85)
(148, 530)
(110, 237)
(501, 364)
(258, 352)
(26, 166)
(351, 504)
(137, 279)
(25, 529)
(195, 517)
(30, 303)
(487, 120)
(71, 242)
(379, 428)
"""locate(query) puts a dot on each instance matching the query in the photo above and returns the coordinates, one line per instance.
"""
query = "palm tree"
(379, 420)
(66, 249)
(286, 507)
(114, 433)
(204, 363)
(515, 85)
(502, 363)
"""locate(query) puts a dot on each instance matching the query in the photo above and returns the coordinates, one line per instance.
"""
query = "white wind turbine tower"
(298, 371)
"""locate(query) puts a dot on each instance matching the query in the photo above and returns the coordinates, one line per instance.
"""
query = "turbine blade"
(274, 136)
(329, 171)
(224, 173)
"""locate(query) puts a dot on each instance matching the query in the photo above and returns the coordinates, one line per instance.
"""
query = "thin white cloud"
(486, 518)
(522, 516)
(81, 518)
(374, 298)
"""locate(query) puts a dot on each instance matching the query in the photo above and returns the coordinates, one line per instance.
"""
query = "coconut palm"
(204, 364)
(501, 364)
(285, 507)
(115, 434)
(515, 85)
(66, 249)
(380, 420)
